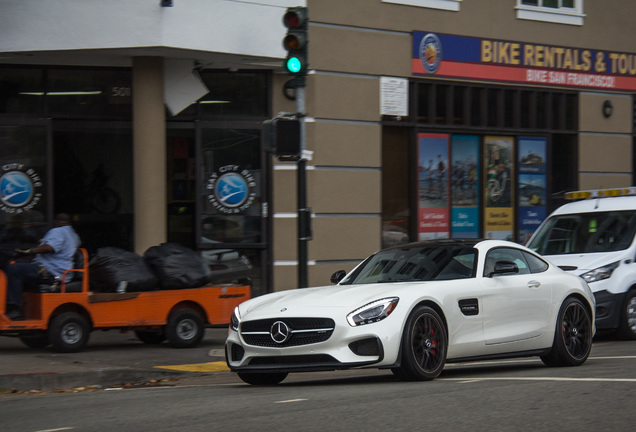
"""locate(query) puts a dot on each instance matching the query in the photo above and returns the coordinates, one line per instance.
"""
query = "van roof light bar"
(600, 193)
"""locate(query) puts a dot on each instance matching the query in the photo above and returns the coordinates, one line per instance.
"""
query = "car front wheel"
(424, 346)
(573, 335)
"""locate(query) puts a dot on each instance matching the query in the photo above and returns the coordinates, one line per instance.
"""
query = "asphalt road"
(515, 395)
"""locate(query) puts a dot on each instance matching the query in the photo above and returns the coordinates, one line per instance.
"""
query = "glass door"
(232, 220)
(25, 184)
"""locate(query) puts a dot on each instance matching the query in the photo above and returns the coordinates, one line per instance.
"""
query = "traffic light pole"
(301, 175)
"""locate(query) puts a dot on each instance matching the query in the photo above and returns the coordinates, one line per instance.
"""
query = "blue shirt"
(64, 241)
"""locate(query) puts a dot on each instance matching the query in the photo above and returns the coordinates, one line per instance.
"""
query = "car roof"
(482, 244)
(439, 243)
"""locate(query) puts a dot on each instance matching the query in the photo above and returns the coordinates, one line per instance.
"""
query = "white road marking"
(291, 400)
(55, 430)
(469, 380)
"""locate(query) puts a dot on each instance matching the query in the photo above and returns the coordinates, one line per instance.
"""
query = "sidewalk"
(110, 359)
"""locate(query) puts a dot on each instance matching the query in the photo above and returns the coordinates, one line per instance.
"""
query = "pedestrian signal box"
(283, 137)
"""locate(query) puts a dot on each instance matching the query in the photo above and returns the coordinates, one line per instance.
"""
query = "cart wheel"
(150, 337)
(68, 332)
(185, 328)
(40, 340)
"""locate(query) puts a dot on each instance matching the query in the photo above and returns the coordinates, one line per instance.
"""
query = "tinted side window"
(505, 254)
(536, 264)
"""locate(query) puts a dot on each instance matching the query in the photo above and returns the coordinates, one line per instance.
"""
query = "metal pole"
(302, 192)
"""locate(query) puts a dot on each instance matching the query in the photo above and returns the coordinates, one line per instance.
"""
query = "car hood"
(585, 262)
(300, 301)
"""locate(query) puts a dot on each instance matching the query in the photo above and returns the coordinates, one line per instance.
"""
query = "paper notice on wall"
(394, 96)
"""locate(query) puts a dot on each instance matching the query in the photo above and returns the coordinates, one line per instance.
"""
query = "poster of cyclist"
(464, 185)
(498, 168)
(433, 182)
(532, 186)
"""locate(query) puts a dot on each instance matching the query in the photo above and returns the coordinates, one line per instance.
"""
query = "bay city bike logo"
(19, 188)
(232, 190)
(431, 53)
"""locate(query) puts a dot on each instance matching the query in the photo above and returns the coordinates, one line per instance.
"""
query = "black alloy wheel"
(573, 335)
(424, 346)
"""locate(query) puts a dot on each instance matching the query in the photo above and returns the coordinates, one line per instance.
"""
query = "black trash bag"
(177, 267)
(113, 269)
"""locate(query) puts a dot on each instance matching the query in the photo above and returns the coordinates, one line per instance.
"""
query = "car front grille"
(293, 331)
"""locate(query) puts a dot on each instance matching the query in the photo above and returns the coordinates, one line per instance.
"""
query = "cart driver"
(53, 256)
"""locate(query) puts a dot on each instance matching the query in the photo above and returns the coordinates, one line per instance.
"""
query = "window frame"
(560, 15)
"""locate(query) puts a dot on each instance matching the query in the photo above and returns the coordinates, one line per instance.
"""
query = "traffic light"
(295, 41)
(283, 137)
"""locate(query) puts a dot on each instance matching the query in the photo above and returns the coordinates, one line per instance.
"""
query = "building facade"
(426, 119)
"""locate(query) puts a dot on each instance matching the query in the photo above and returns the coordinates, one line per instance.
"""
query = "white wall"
(244, 27)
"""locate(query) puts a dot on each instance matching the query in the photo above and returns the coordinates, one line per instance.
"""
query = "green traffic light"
(293, 64)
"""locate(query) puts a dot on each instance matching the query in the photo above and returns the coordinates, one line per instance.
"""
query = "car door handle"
(534, 284)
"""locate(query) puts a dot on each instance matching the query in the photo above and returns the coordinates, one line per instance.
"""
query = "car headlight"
(372, 312)
(235, 320)
(600, 273)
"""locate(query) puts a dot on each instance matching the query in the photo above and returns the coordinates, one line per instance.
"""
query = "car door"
(516, 306)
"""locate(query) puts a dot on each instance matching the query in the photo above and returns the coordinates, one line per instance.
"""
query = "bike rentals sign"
(464, 57)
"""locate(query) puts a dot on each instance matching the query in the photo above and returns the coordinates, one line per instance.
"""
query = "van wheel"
(627, 327)
(184, 329)
(68, 332)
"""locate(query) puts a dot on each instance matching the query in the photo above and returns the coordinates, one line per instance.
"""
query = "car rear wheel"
(68, 332)
(263, 379)
(573, 336)
(627, 328)
(185, 328)
(424, 346)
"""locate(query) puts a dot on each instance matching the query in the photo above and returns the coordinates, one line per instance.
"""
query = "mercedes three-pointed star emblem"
(280, 332)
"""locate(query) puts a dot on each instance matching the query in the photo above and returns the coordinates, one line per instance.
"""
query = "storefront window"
(242, 94)
(231, 205)
(23, 187)
(232, 186)
(471, 183)
(21, 91)
(93, 180)
(83, 92)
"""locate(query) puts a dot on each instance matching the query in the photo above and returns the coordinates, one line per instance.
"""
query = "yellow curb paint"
(198, 367)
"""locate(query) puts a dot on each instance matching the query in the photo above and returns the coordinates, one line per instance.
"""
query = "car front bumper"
(348, 347)
(608, 309)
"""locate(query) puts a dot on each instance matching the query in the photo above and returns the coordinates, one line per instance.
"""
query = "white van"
(595, 239)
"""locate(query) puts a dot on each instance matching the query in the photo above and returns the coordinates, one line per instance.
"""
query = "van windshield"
(586, 233)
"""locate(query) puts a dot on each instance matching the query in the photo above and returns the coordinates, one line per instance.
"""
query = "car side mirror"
(338, 276)
(503, 267)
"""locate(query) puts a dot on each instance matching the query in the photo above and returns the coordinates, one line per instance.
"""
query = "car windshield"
(585, 233)
(419, 263)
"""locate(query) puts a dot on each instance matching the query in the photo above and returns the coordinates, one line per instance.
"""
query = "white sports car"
(411, 308)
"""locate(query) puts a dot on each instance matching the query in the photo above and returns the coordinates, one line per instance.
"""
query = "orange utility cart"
(63, 316)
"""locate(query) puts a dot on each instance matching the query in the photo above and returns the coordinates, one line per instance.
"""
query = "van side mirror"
(338, 276)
